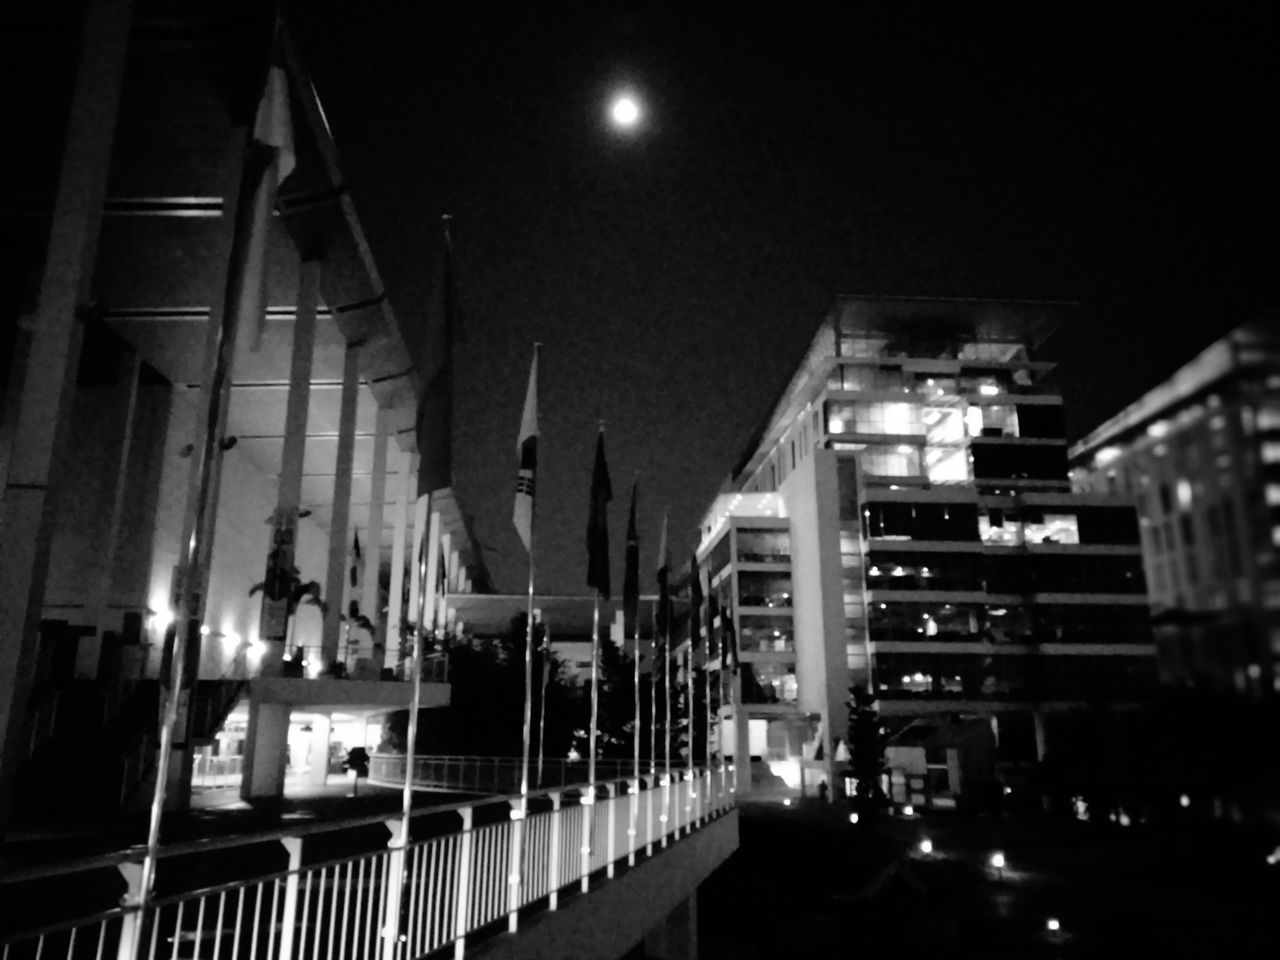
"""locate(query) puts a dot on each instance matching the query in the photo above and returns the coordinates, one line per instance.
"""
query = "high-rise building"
(1201, 454)
(904, 520)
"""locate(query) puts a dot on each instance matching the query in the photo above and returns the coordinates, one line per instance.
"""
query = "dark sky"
(1075, 152)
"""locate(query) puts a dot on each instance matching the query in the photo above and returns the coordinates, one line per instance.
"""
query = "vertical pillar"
(611, 852)
(741, 740)
(377, 496)
(395, 597)
(52, 361)
(339, 535)
(415, 557)
(281, 559)
(288, 918)
(318, 750)
(462, 896)
(265, 744)
(553, 858)
(124, 398)
(446, 552)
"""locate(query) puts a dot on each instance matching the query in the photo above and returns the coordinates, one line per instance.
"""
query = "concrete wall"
(811, 494)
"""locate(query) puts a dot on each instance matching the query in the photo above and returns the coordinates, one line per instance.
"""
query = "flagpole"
(653, 696)
(542, 699)
(518, 839)
(589, 798)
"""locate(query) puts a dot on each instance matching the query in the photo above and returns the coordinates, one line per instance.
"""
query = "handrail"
(449, 885)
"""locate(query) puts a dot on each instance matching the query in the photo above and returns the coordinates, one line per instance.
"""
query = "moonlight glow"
(624, 111)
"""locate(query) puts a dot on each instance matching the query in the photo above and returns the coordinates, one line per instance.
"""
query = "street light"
(926, 846)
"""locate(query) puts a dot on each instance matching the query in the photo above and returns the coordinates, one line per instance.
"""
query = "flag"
(663, 625)
(527, 451)
(729, 637)
(695, 601)
(598, 523)
(267, 164)
(713, 609)
(356, 560)
(435, 406)
(631, 572)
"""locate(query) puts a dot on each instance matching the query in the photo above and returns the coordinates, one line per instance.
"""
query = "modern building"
(1201, 455)
(904, 519)
(128, 245)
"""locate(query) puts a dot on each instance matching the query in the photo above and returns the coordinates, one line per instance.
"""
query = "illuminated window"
(1054, 528)
(1273, 494)
(1268, 416)
(1271, 452)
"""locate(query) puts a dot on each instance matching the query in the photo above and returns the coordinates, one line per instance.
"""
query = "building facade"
(1201, 455)
(131, 280)
(904, 520)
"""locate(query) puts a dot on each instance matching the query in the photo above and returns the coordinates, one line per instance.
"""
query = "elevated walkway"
(591, 872)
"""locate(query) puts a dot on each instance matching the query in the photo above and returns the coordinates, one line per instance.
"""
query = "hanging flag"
(356, 562)
(527, 451)
(435, 406)
(268, 162)
(598, 523)
(713, 610)
(729, 636)
(663, 624)
(695, 601)
(631, 572)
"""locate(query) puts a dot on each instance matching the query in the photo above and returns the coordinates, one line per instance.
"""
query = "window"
(764, 546)
(1051, 528)
(1271, 452)
(902, 419)
(764, 589)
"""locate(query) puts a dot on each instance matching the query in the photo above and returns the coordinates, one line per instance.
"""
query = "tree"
(866, 749)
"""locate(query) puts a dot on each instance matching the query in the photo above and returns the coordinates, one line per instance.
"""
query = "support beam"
(281, 559)
(369, 602)
(52, 361)
(395, 595)
(339, 534)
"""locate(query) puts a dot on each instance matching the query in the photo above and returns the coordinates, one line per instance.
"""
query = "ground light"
(853, 818)
(926, 846)
(1184, 801)
(624, 111)
(997, 860)
(1052, 925)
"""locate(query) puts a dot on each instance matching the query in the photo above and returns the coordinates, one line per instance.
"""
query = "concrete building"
(904, 519)
(1201, 455)
(131, 259)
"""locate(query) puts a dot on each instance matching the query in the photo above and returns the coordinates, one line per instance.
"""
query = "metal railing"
(211, 773)
(397, 903)
(491, 774)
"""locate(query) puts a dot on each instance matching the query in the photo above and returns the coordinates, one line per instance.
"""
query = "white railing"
(211, 773)
(491, 774)
(384, 904)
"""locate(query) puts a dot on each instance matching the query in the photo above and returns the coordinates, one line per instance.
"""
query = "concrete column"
(1037, 717)
(741, 740)
(446, 552)
(369, 605)
(339, 535)
(265, 745)
(676, 938)
(455, 568)
(53, 357)
(416, 558)
(395, 595)
(273, 626)
(318, 750)
(124, 398)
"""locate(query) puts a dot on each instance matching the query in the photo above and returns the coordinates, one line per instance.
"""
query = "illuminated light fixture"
(906, 678)
(204, 630)
(997, 860)
(1007, 790)
(624, 111)
(1106, 455)
(908, 810)
(257, 648)
(835, 426)
(929, 382)
(873, 571)
(161, 619)
(1052, 925)
(1158, 429)
(853, 818)
(924, 571)
(1184, 801)
(924, 616)
(989, 390)
(905, 448)
(926, 846)
(786, 802)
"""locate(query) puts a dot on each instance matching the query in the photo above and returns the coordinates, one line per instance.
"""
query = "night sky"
(792, 153)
